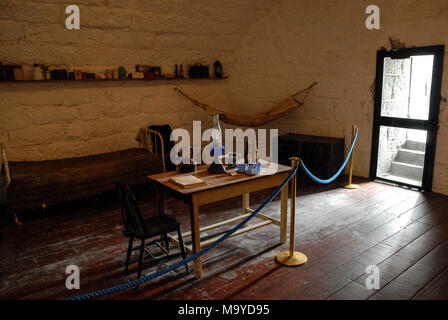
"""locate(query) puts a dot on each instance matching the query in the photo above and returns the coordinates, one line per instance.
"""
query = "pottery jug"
(38, 73)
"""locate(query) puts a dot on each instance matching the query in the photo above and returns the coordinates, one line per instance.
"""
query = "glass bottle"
(217, 139)
(217, 133)
(181, 72)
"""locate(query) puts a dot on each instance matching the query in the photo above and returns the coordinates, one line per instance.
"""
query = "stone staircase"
(407, 166)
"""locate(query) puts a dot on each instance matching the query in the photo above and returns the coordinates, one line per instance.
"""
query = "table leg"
(161, 207)
(196, 236)
(246, 203)
(283, 213)
(160, 201)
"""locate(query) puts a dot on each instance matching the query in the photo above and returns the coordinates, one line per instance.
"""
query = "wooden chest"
(323, 156)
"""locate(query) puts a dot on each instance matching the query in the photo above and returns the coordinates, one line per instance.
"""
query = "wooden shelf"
(114, 80)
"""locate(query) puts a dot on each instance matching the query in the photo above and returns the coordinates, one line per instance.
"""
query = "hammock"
(258, 119)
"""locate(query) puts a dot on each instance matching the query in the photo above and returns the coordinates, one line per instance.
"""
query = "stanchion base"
(296, 260)
(351, 186)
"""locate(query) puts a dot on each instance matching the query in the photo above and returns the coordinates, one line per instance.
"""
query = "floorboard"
(436, 289)
(402, 231)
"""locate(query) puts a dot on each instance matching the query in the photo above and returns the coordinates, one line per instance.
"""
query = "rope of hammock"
(256, 119)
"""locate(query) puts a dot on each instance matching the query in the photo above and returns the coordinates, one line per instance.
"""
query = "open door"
(407, 101)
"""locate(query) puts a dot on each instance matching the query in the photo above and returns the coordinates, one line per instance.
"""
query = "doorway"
(406, 112)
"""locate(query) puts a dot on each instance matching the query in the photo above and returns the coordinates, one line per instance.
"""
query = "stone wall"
(327, 41)
(57, 120)
(394, 102)
(396, 78)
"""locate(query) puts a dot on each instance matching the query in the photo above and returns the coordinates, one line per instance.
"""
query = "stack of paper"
(187, 181)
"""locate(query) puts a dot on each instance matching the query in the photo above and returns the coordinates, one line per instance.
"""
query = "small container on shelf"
(18, 73)
(109, 74)
(181, 72)
(60, 74)
(149, 75)
(77, 74)
(38, 74)
(218, 70)
(138, 75)
(122, 72)
(157, 70)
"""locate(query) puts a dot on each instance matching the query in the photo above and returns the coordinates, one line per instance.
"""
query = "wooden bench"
(38, 184)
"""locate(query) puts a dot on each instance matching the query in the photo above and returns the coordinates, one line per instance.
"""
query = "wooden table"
(220, 187)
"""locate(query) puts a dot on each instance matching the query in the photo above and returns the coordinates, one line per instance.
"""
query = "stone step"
(414, 145)
(410, 156)
(405, 170)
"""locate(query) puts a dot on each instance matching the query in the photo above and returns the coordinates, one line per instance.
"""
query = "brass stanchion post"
(292, 258)
(351, 185)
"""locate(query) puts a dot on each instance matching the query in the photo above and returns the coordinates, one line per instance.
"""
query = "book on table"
(187, 181)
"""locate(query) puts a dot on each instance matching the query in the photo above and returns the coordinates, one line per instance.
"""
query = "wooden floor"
(403, 232)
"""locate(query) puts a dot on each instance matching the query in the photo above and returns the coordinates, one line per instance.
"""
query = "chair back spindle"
(132, 218)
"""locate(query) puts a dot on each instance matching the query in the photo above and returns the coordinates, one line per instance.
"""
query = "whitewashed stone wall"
(394, 102)
(56, 120)
(327, 41)
(268, 48)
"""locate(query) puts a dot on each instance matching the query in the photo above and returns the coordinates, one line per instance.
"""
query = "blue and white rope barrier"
(154, 275)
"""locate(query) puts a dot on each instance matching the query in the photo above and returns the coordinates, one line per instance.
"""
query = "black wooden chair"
(143, 229)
